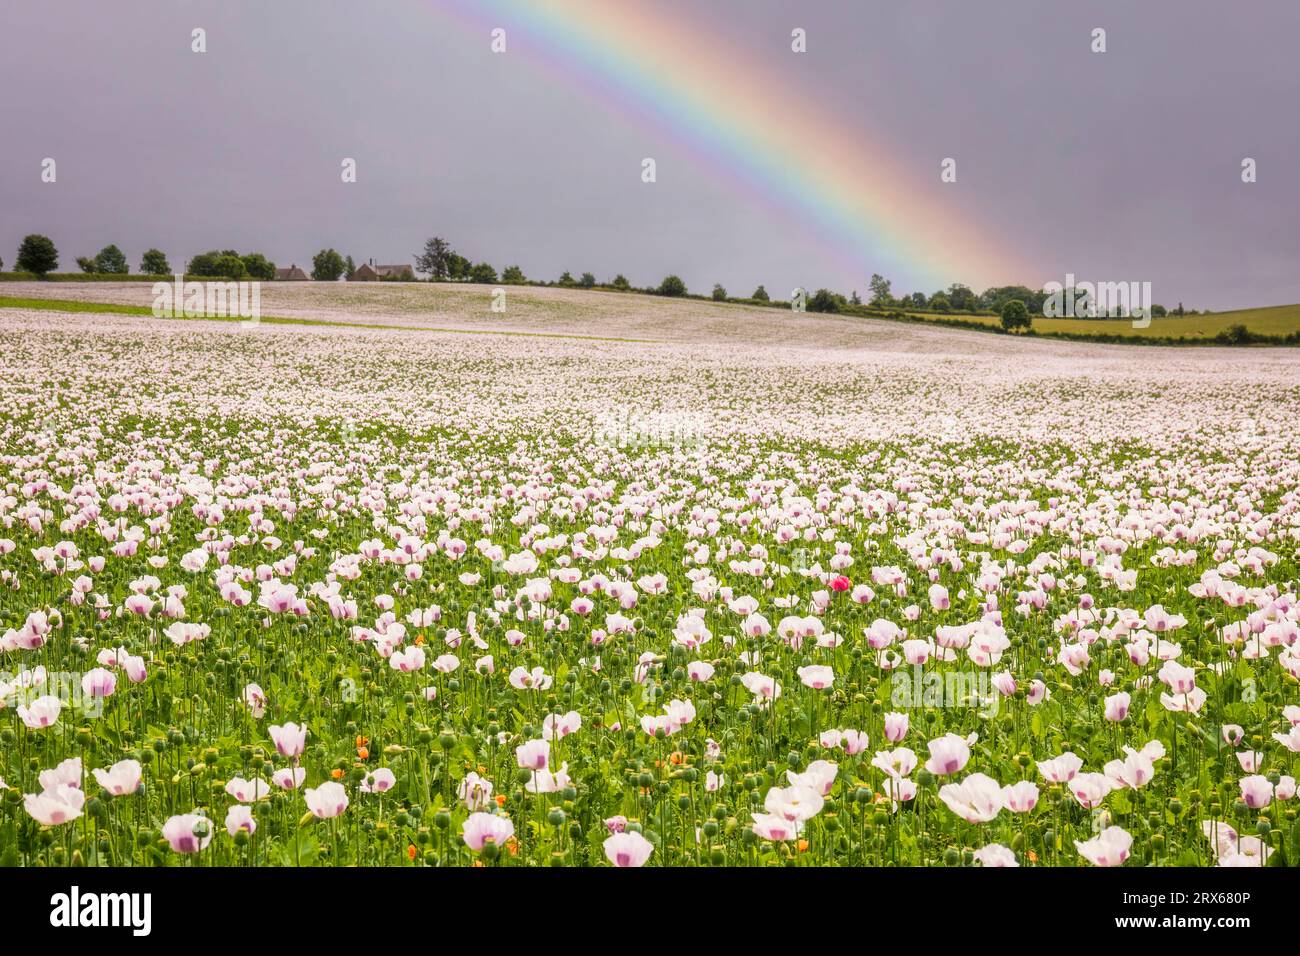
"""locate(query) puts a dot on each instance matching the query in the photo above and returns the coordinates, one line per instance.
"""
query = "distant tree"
(588, 281)
(961, 298)
(918, 300)
(620, 282)
(719, 293)
(1015, 315)
(1158, 311)
(672, 286)
(154, 263)
(993, 299)
(939, 302)
(513, 275)
(855, 299)
(37, 254)
(87, 264)
(458, 267)
(1235, 335)
(210, 264)
(435, 261)
(482, 273)
(258, 266)
(327, 266)
(110, 261)
(824, 300)
(1179, 311)
(204, 264)
(566, 280)
(760, 295)
(229, 266)
(880, 290)
(349, 268)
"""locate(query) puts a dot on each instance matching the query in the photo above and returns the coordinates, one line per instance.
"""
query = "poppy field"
(321, 596)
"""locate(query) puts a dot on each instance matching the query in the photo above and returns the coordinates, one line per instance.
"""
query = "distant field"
(532, 310)
(1277, 320)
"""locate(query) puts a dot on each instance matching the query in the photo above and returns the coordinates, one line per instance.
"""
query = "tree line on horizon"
(38, 255)
(439, 262)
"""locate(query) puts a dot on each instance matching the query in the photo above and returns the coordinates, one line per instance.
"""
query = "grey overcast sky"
(1117, 166)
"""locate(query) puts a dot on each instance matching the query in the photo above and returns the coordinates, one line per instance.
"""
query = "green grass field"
(1276, 320)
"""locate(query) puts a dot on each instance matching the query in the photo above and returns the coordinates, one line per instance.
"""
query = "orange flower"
(363, 753)
(513, 846)
(419, 640)
(410, 852)
(501, 799)
(478, 862)
(362, 741)
(1033, 857)
(336, 773)
(802, 846)
(675, 756)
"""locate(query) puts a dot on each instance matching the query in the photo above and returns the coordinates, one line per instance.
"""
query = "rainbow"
(722, 105)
